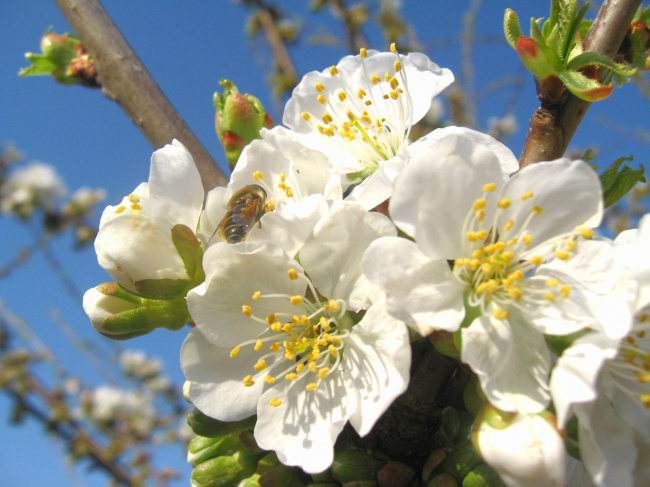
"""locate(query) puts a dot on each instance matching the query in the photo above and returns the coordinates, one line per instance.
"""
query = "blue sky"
(188, 47)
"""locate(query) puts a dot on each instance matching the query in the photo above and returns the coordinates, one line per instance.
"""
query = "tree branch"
(551, 129)
(126, 81)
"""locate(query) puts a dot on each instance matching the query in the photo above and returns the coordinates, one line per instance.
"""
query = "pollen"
(134, 198)
(479, 204)
(312, 386)
(549, 296)
(552, 282)
(536, 260)
(120, 209)
(361, 93)
(565, 291)
(258, 345)
(489, 187)
(327, 118)
(527, 239)
(397, 66)
(321, 99)
(537, 210)
(585, 233)
(234, 352)
(248, 381)
(527, 196)
(261, 365)
(275, 402)
(562, 255)
(363, 52)
(504, 203)
(296, 300)
(306, 116)
(342, 96)
(645, 400)
(291, 376)
(247, 310)
(293, 275)
(256, 295)
(269, 379)
(500, 314)
(375, 79)
(319, 87)
(334, 71)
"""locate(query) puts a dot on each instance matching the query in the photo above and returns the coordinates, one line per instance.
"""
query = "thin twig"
(551, 130)
(355, 39)
(126, 81)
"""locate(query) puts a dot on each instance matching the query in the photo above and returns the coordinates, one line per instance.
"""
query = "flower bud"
(224, 471)
(202, 449)
(524, 449)
(353, 465)
(433, 461)
(482, 476)
(238, 120)
(461, 460)
(118, 314)
(206, 426)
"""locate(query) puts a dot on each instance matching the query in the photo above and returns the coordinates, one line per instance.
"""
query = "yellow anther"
(477, 254)
(293, 274)
(479, 204)
(489, 187)
(527, 239)
(393, 48)
(334, 339)
(274, 347)
(321, 99)
(504, 203)
(136, 207)
(585, 233)
(375, 79)
(509, 224)
(277, 326)
(385, 97)
(248, 378)
(361, 93)
(536, 260)
(306, 116)
(234, 352)
(512, 242)
(562, 255)
(527, 195)
(500, 314)
(290, 355)
(256, 295)
(269, 379)
(324, 324)
(552, 282)
(537, 210)
(312, 365)
(312, 386)
(282, 185)
(270, 319)
(549, 296)
(300, 367)
(322, 373)
(508, 256)
(394, 82)
(387, 76)
(247, 310)
(289, 192)
(367, 103)
(261, 365)
(515, 293)
(275, 402)
(134, 198)
(120, 209)
(329, 132)
(565, 291)
(363, 52)
(327, 118)
(394, 94)
(397, 66)
(645, 399)
(334, 71)
(258, 345)
(270, 206)
(287, 328)
(571, 245)
(342, 96)
(642, 377)
(296, 300)
(333, 351)
(320, 87)
(291, 376)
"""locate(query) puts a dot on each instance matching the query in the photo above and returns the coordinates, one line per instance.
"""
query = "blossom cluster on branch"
(338, 242)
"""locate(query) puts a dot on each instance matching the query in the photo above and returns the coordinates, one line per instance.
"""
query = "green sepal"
(482, 476)
(212, 428)
(190, 251)
(461, 460)
(511, 27)
(574, 30)
(585, 88)
(146, 316)
(202, 449)
(618, 182)
(473, 397)
(40, 65)
(559, 343)
(163, 289)
(225, 471)
(588, 58)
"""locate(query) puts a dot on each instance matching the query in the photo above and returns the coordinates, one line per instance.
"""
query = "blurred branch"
(355, 39)
(551, 129)
(126, 81)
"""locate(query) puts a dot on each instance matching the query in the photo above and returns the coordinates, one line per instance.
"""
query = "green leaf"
(553, 18)
(536, 33)
(584, 88)
(589, 58)
(511, 27)
(190, 251)
(645, 16)
(40, 65)
(570, 41)
(618, 182)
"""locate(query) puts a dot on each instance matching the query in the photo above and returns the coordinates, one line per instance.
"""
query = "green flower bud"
(206, 426)
(119, 314)
(202, 449)
(354, 465)
(443, 480)
(395, 474)
(461, 460)
(225, 471)
(482, 476)
(238, 120)
(433, 461)
(59, 49)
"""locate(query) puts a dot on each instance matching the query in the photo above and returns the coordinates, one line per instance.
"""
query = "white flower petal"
(216, 387)
(420, 291)
(511, 361)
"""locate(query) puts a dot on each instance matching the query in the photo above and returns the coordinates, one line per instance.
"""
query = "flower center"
(284, 186)
(370, 119)
(498, 261)
(630, 370)
(307, 343)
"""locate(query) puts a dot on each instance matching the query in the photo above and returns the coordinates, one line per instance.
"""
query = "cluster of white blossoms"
(305, 293)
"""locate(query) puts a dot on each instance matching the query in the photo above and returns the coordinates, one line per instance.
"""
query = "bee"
(245, 208)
